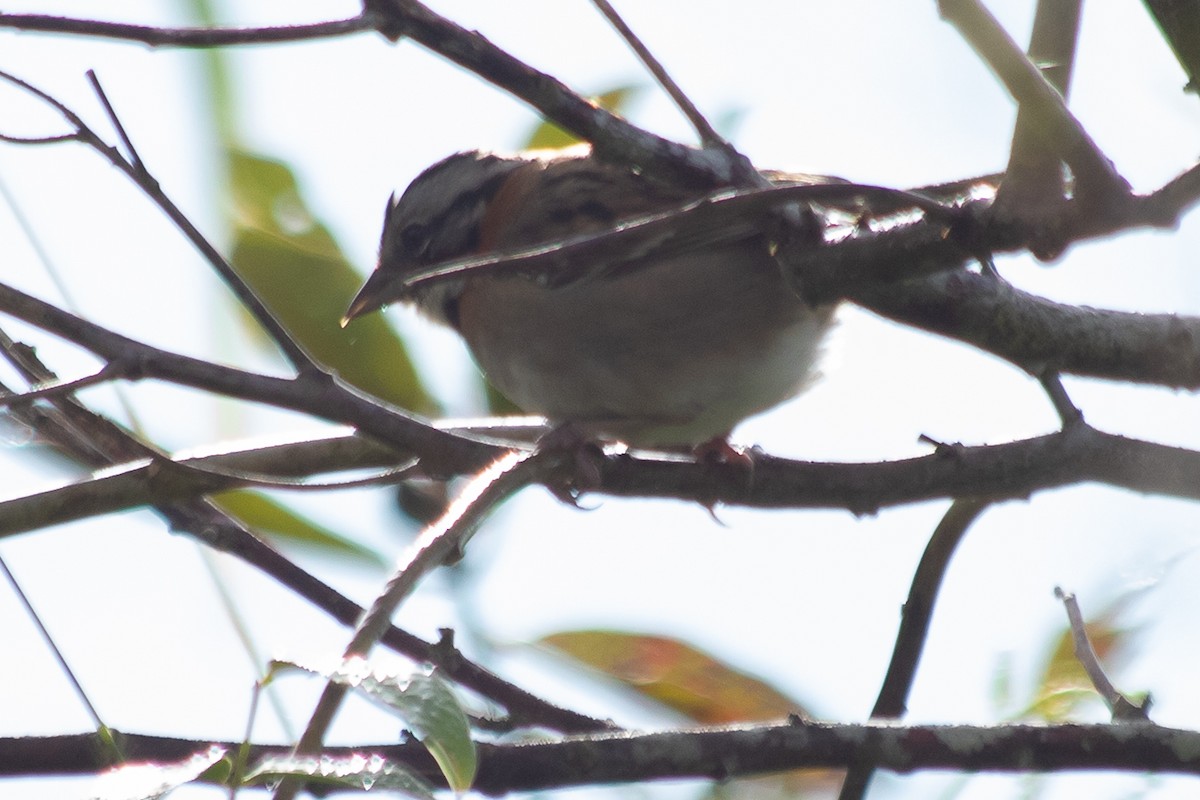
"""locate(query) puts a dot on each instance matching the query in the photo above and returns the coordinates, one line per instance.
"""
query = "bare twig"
(97, 442)
(59, 658)
(1122, 708)
(315, 393)
(710, 220)
(133, 158)
(109, 372)
(612, 137)
(184, 37)
(1094, 173)
(136, 172)
(708, 135)
(434, 547)
(914, 627)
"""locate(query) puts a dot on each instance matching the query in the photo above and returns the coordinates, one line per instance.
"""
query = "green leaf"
(424, 701)
(548, 136)
(436, 717)
(150, 781)
(359, 771)
(262, 513)
(294, 264)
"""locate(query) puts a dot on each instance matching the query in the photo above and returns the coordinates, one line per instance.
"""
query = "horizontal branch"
(183, 37)
(1079, 454)
(1038, 334)
(715, 754)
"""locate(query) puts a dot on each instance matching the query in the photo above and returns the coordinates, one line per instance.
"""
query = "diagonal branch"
(436, 545)
(916, 615)
(95, 441)
(1046, 110)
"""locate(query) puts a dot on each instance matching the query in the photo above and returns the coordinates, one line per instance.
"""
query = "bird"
(664, 348)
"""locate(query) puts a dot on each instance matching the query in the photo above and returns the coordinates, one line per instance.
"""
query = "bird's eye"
(414, 238)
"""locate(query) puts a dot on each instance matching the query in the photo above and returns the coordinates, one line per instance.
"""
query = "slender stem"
(1122, 708)
(708, 135)
(137, 173)
(914, 627)
(184, 37)
(434, 547)
(23, 599)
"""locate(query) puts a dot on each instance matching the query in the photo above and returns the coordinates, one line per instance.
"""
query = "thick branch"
(613, 137)
(718, 754)
(1037, 334)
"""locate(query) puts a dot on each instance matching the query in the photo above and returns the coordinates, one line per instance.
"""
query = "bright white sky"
(874, 90)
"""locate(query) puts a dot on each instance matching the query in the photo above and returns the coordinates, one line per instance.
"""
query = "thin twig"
(59, 658)
(1122, 708)
(434, 547)
(134, 159)
(96, 442)
(613, 138)
(708, 135)
(109, 372)
(184, 37)
(36, 140)
(710, 220)
(136, 172)
(914, 627)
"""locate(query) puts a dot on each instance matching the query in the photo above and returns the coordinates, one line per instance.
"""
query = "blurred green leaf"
(548, 136)
(262, 513)
(293, 263)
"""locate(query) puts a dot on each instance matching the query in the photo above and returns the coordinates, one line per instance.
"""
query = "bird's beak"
(374, 294)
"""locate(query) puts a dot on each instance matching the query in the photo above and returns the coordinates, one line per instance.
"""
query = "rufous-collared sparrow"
(669, 350)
